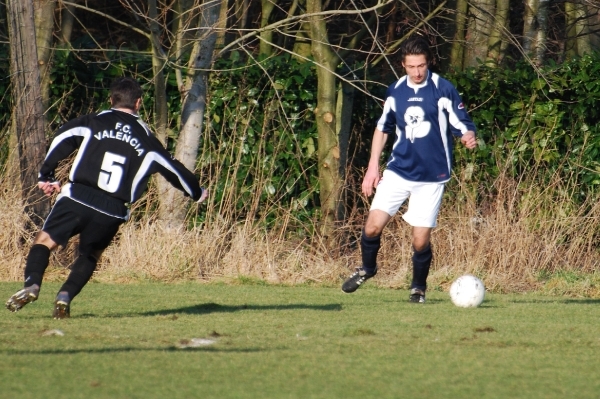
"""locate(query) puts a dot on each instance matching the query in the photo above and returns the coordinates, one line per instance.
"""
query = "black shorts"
(69, 218)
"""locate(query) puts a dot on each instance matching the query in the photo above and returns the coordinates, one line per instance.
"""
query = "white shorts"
(424, 203)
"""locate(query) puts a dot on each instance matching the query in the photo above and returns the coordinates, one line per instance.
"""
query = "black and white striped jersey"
(116, 155)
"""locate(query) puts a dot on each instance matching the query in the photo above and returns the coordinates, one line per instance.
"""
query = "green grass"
(123, 341)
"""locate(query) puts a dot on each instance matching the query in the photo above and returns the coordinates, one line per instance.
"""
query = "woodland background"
(273, 103)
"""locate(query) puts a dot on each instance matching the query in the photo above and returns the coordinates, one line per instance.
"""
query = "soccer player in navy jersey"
(116, 155)
(423, 112)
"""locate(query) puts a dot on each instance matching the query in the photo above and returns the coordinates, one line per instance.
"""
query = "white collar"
(420, 85)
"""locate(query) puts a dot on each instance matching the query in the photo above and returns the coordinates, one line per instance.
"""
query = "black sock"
(36, 264)
(421, 264)
(369, 247)
(81, 272)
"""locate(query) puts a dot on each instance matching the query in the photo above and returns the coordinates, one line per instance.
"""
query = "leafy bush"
(80, 81)
(260, 138)
(535, 122)
(537, 125)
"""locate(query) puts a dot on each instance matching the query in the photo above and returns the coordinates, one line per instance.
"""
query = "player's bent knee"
(376, 222)
(44, 238)
(373, 230)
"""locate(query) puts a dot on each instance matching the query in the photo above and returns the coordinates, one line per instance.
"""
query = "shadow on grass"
(202, 309)
(207, 308)
(126, 349)
(570, 301)
(581, 301)
(430, 301)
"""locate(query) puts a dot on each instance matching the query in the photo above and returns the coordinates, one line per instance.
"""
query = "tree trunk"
(301, 50)
(161, 112)
(530, 26)
(67, 18)
(222, 25)
(457, 53)
(28, 117)
(542, 32)
(240, 9)
(44, 29)
(582, 28)
(571, 30)
(266, 36)
(158, 65)
(330, 182)
(496, 42)
(193, 107)
(535, 27)
(479, 31)
(184, 39)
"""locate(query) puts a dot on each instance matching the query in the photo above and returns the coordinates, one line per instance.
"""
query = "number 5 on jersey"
(112, 172)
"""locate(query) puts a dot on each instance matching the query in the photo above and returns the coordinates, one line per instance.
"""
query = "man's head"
(416, 57)
(125, 93)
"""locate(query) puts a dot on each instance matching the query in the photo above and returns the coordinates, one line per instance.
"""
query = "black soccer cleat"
(416, 296)
(62, 306)
(22, 298)
(355, 280)
(62, 310)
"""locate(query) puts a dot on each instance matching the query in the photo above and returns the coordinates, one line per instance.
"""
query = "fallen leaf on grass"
(48, 333)
(301, 337)
(195, 343)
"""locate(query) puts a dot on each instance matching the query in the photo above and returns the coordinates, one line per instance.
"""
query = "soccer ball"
(467, 291)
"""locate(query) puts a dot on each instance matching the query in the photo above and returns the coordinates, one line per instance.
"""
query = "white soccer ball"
(467, 291)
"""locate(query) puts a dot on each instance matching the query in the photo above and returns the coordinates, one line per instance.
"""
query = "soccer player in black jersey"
(116, 155)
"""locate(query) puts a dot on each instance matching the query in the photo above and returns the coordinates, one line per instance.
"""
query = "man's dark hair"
(124, 93)
(416, 45)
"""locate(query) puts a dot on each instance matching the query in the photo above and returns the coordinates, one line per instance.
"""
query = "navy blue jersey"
(423, 117)
(116, 155)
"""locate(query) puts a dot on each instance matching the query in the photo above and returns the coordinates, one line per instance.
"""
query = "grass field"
(257, 341)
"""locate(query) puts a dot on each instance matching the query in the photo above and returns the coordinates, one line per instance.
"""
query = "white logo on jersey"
(122, 133)
(416, 126)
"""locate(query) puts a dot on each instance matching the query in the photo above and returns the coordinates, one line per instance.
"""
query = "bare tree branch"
(109, 17)
(289, 20)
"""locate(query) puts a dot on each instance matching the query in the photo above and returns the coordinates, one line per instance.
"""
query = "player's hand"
(468, 139)
(203, 196)
(370, 181)
(49, 187)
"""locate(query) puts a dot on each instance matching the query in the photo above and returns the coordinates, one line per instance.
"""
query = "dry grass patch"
(13, 236)
(519, 241)
(218, 251)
